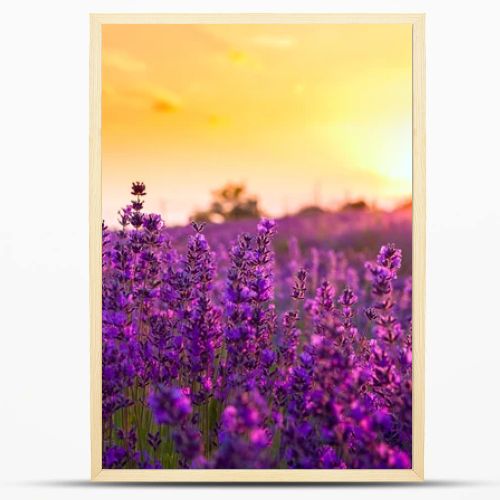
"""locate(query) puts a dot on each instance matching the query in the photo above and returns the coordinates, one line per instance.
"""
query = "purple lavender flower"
(114, 457)
(299, 289)
(244, 438)
(188, 442)
(169, 405)
(138, 189)
(215, 356)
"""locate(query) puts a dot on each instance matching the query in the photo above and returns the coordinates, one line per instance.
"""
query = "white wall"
(44, 372)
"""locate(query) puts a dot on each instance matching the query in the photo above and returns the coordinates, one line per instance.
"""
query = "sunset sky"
(301, 114)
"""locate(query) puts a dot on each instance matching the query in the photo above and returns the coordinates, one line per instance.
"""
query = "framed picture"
(257, 247)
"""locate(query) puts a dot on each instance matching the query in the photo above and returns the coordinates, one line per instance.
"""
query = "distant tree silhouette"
(355, 205)
(231, 202)
(311, 210)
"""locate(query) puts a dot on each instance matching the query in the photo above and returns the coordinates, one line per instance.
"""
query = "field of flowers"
(257, 344)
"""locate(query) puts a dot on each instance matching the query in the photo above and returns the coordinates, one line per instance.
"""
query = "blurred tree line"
(231, 202)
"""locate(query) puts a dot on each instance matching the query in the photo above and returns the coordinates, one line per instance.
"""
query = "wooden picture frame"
(418, 269)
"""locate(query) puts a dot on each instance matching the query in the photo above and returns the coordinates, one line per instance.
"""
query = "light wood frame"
(418, 270)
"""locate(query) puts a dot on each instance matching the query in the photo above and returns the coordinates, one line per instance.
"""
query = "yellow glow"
(294, 111)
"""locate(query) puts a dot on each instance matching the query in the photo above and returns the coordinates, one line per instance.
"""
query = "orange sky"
(300, 113)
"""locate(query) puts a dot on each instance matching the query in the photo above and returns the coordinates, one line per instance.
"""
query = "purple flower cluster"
(235, 358)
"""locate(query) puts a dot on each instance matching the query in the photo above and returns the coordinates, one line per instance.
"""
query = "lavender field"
(257, 343)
